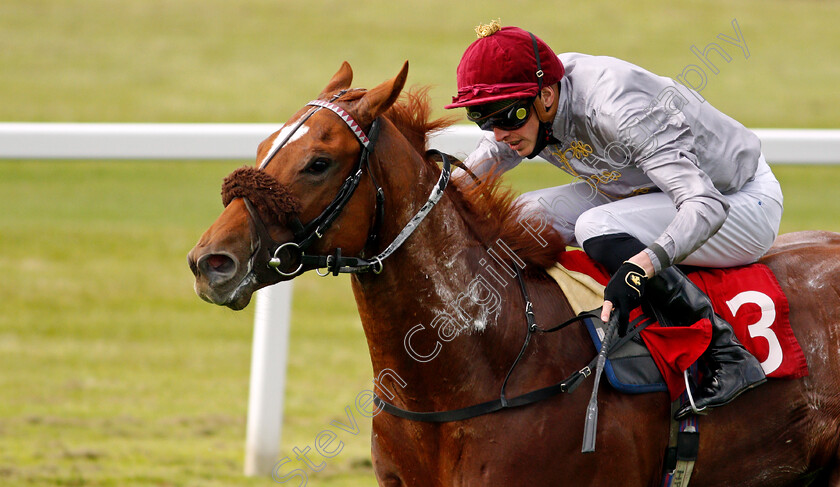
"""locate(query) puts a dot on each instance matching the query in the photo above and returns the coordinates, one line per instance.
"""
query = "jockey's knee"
(763, 241)
(613, 249)
(597, 222)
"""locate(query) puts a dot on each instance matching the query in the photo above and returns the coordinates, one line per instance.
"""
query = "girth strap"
(683, 446)
(567, 385)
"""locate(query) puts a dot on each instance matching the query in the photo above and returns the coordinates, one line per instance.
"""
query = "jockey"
(661, 178)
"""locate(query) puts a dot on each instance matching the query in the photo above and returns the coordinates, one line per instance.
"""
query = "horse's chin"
(236, 299)
(239, 303)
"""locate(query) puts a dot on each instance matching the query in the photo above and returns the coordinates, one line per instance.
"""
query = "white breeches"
(751, 225)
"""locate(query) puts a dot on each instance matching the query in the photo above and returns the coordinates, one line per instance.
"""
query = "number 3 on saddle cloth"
(748, 297)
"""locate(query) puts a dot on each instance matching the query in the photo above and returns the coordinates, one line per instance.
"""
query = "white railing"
(239, 141)
(171, 141)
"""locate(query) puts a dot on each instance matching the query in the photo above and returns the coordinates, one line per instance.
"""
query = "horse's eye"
(318, 166)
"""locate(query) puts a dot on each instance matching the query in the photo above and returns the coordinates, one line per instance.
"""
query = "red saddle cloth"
(748, 297)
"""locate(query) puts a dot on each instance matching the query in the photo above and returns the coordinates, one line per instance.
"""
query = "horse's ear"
(341, 80)
(379, 99)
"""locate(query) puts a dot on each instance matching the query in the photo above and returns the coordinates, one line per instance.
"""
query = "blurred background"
(112, 371)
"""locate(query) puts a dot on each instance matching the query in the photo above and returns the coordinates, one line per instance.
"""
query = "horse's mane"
(489, 207)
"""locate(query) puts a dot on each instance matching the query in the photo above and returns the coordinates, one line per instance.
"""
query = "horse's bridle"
(264, 246)
(306, 235)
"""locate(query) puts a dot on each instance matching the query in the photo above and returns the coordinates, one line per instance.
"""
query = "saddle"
(748, 297)
(630, 368)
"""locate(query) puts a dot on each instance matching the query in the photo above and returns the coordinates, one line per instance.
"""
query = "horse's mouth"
(239, 304)
(237, 299)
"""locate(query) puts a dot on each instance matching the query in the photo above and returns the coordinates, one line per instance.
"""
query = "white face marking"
(281, 136)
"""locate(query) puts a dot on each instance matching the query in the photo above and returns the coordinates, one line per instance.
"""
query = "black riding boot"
(731, 369)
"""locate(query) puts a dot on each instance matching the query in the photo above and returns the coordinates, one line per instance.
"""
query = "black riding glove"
(625, 291)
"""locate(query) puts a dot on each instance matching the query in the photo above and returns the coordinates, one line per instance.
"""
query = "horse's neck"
(443, 314)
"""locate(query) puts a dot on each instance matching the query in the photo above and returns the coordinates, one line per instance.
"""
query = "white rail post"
(268, 378)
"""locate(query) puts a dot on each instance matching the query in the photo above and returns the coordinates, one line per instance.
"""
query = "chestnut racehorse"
(443, 313)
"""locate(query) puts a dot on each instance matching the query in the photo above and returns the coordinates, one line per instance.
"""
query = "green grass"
(112, 372)
(260, 60)
(116, 374)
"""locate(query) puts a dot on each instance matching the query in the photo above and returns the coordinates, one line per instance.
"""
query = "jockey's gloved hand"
(625, 291)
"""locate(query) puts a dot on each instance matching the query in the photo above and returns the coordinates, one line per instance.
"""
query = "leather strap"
(567, 385)
(683, 446)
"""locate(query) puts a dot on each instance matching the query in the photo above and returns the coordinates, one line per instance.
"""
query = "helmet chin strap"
(545, 136)
(545, 132)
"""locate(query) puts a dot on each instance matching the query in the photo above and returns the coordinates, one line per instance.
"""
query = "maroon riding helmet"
(500, 76)
(509, 63)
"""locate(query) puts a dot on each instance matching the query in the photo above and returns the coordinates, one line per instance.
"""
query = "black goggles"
(503, 115)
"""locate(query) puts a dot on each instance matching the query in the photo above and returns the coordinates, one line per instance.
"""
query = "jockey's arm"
(669, 160)
(490, 156)
(701, 208)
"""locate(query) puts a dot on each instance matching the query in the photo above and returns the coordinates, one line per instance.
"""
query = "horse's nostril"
(221, 263)
(217, 268)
